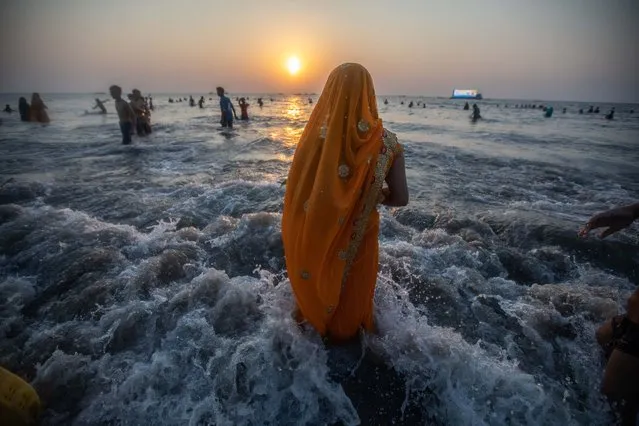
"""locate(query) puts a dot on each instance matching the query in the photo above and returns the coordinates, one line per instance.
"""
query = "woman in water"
(330, 224)
(38, 110)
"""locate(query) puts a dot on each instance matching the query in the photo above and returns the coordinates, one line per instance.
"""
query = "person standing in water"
(244, 109)
(476, 114)
(330, 224)
(24, 109)
(38, 111)
(100, 104)
(201, 102)
(8, 109)
(226, 108)
(260, 102)
(191, 101)
(142, 114)
(611, 114)
(125, 114)
(466, 106)
(151, 103)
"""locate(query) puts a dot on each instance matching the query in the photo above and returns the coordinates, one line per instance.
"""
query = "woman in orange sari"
(330, 224)
(38, 109)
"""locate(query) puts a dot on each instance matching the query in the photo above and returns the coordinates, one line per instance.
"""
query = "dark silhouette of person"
(8, 109)
(581, 110)
(564, 111)
(170, 100)
(476, 114)
(310, 101)
(597, 110)
(466, 106)
(591, 110)
(24, 108)
(100, 104)
(260, 102)
(201, 102)
(401, 103)
(191, 101)
(410, 104)
(151, 107)
(611, 114)
(385, 101)
(243, 109)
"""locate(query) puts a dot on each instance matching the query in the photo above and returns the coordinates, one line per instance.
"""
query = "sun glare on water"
(293, 65)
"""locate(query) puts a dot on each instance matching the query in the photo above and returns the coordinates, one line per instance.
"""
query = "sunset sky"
(543, 49)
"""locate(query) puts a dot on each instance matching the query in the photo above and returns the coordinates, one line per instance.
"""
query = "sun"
(293, 65)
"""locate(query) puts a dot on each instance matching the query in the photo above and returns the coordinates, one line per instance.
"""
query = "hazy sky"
(545, 49)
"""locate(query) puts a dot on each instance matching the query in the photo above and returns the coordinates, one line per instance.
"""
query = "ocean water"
(145, 284)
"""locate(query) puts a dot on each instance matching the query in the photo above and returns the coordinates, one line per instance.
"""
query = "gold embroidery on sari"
(389, 148)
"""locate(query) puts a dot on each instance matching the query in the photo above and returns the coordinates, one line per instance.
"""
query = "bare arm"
(604, 333)
(397, 193)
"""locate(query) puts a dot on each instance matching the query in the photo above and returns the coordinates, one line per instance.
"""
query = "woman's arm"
(397, 193)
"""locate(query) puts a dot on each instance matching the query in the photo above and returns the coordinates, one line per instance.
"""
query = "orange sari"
(330, 225)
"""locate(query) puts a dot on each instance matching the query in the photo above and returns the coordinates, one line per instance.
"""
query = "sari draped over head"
(330, 225)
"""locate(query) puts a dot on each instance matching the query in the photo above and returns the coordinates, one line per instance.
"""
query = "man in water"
(385, 101)
(201, 102)
(410, 104)
(591, 110)
(260, 102)
(143, 115)
(476, 115)
(466, 106)
(226, 108)
(611, 114)
(100, 104)
(8, 109)
(125, 113)
(191, 101)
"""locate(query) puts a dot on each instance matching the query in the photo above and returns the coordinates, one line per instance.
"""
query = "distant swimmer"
(597, 110)
(38, 111)
(260, 102)
(23, 108)
(310, 101)
(632, 111)
(466, 106)
(244, 109)
(410, 104)
(591, 110)
(581, 110)
(424, 105)
(170, 100)
(100, 104)
(549, 111)
(191, 101)
(226, 108)
(563, 111)
(151, 107)
(476, 114)
(401, 103)
(8, 109)
(611, 114)
(385, 101)
(125, 114)
(201, 102)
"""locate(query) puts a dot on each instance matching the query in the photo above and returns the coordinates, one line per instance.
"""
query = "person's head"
(115, 91)
(220, 91)
(22, 100)
(35, 97)
(136, 94)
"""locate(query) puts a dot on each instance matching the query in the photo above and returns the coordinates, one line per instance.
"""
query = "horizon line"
(316, 94)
